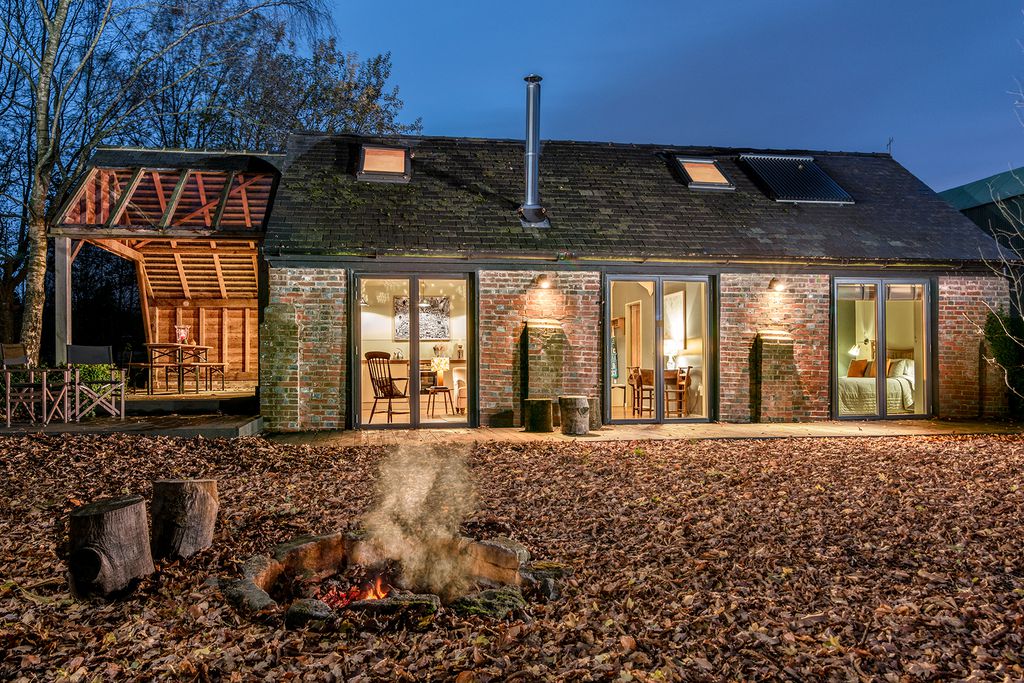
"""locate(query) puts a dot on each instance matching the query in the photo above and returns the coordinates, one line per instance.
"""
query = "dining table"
(175, 354)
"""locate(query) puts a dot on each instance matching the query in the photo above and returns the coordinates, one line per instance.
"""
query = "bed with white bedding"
(857, 394)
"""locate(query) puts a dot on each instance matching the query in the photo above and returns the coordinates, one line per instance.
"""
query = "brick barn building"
(405, 281)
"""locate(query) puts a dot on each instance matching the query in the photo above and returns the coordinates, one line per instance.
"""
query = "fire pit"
(318, 581)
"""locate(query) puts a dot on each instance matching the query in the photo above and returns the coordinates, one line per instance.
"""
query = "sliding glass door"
(882, 349)
(656, 349)
(413, 345)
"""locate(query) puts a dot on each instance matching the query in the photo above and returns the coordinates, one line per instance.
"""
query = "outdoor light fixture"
(776, 285)
(543, 281)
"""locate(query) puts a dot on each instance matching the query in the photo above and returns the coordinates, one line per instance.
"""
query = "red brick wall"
(507, 299)
(801, 310)
(966, 388)
(303, 350)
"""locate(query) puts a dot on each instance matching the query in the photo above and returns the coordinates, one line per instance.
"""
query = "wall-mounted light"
(543, 281)
(363, 301)
(776, 285)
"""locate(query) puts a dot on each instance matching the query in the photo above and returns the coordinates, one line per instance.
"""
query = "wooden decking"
(184, 426)
(656, 432)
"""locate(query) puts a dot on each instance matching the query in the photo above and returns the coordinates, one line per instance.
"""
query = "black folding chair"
(105, 394)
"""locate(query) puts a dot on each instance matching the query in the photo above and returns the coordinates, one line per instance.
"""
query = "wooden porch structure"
(192, 223)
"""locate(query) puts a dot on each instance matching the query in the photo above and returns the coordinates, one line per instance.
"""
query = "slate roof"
(619, 202)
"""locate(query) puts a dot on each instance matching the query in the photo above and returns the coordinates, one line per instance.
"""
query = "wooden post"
(537, 415)
(62, 297)
(109, 546)
(184, 514)
(595, 414)
(575, 412)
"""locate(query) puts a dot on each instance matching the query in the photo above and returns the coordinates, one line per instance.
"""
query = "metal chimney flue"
(531, 213)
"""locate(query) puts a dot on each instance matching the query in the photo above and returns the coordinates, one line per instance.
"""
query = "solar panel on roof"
(796, 179)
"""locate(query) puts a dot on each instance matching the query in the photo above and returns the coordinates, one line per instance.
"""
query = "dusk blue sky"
(836, 75)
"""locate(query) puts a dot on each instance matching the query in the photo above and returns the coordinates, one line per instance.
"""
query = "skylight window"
(704, 174)
(796, 179)
(384, 164)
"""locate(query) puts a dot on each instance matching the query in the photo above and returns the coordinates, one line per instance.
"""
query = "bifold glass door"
(882, 351)
(413, 346)
(656, 349)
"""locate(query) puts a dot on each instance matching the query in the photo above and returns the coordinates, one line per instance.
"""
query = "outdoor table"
(178, 355)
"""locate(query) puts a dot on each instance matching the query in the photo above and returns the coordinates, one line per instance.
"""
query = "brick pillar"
(776, 392)
(543, 366)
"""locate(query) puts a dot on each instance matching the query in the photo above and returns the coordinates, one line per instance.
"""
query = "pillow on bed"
(857, 368)
(897, 367)
(908, 369)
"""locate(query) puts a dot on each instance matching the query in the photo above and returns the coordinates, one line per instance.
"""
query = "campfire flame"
(376, 590)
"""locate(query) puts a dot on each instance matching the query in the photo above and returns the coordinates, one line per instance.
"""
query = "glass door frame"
(710, 347)
(929, 316)
(355, 382)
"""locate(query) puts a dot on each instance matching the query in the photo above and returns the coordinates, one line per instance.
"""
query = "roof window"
(796, 179)
(704, 174)
(384, 164)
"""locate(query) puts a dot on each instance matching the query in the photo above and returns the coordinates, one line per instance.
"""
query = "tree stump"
(184, 514)
(109, 546)
(575, 411)
(537, 415)
(595, 414)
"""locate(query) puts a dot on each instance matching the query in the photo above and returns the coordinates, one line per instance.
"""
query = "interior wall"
(623, 293)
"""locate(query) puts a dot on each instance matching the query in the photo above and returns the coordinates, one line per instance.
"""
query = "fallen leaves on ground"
(847, 559)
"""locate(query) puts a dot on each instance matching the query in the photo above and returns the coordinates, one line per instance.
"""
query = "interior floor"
(442, 414)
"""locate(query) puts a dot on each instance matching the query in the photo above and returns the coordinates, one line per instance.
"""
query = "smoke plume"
(424, 494)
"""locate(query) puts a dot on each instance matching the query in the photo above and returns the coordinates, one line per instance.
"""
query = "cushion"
(857, 368)
(869, 371)
(897, 367)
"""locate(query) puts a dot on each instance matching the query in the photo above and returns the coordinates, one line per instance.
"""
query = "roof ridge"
(186, 150)
(664, 147)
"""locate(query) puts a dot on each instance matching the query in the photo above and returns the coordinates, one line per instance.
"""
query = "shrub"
(1004, 334)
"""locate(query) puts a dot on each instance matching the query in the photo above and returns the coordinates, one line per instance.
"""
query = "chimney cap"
(533, 78)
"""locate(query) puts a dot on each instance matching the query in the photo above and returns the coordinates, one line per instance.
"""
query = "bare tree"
(81, 75)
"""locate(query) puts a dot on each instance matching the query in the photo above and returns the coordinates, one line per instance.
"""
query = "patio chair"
(20, 388)
(384, 385)
(106, 394)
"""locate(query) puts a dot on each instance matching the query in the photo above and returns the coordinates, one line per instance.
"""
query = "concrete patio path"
(715, 430)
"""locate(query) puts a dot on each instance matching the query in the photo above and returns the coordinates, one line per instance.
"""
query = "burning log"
(184, 514)
(537, 415)
(575, 412)
(109, 544)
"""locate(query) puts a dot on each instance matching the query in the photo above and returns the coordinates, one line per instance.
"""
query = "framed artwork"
(435, 318)
(674, 312)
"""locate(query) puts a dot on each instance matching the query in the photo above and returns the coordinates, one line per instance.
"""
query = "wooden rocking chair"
(384, 385)
(105, 394)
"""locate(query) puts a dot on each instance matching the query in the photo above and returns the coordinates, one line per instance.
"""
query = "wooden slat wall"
(241, 351)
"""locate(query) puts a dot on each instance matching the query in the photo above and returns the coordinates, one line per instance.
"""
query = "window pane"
(632, 344)
(444, 351)
(857, 349)
(380, 160)
(704, 173)
(906, 366)
(384, 351)
(684, 349)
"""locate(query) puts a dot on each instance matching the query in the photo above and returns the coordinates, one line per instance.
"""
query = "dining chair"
(643, 392)
(385, 387)
(677, 392)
